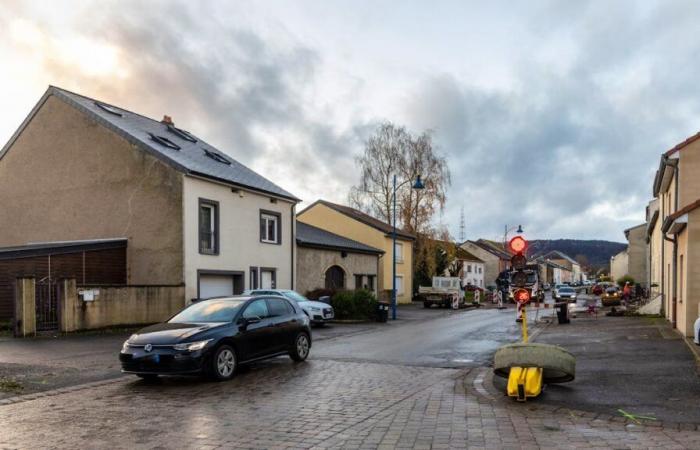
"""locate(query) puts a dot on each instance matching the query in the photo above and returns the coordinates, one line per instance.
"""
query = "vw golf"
(212, 337)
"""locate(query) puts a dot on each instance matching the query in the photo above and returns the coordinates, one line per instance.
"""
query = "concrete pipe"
(559, 366)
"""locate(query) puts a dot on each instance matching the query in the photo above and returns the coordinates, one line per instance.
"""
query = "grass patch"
(10, 385)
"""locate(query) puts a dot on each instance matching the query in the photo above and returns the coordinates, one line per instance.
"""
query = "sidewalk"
(635, 364)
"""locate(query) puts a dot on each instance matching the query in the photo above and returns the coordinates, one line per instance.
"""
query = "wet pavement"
(409, 384)
(636, 364)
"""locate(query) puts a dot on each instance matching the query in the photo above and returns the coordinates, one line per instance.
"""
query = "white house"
(79, 169)
(472, 268)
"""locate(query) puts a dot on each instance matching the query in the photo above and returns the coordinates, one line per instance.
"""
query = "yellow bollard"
(524, 315)
(524, 382)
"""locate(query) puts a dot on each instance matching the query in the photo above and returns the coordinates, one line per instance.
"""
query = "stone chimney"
(167, 120)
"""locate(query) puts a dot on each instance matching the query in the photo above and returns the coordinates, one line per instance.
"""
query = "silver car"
(319, 313)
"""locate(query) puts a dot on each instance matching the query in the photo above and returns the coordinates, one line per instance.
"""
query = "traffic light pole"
(393, 261)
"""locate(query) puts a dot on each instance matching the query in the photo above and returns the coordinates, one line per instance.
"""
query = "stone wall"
(312, 264)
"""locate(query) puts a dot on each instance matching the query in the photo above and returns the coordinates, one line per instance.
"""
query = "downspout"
(675, 276)
(663, 262)
(293, 241)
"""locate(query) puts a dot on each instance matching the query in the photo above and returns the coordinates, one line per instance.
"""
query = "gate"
(47, 305)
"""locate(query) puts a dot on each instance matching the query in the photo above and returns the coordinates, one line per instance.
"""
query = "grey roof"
(60, 247)
(561, 255)
(310, 236)
(191, 158)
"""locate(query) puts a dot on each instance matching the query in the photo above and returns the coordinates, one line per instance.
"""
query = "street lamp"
(418, 185)
(508, 230)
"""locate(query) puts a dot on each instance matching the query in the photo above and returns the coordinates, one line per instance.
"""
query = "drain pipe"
(675, 276)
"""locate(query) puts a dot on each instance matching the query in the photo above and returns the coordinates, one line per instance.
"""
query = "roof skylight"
(181, 133)
(216, 157)
(108, 108)
(164, 141)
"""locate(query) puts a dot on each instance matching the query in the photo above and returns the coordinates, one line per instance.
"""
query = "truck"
(532, 285)
(445, 292)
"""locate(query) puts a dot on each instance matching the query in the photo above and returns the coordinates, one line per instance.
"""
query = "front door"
(47, 305)
(267, 279)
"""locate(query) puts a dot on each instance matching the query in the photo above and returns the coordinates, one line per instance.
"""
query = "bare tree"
(390, 151)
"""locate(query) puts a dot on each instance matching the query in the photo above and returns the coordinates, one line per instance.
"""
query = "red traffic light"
(521, 296)
(517, 245)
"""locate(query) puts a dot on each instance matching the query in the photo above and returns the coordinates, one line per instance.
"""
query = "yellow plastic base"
(524, 382)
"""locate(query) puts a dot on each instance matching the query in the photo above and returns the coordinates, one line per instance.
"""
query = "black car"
(212, 337)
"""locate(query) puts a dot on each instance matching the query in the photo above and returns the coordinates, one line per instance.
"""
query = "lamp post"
(418, 185)
(508, 230)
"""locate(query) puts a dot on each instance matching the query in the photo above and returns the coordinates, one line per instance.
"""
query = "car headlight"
(315, 308)
(125, 345)
(191, 346)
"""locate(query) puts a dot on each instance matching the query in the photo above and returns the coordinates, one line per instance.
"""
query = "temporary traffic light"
(518, 264)
(521, 296)
(517, 245)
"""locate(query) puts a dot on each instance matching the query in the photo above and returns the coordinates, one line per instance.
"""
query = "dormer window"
(164, 141)
(216, 157)
(108, 108)
(182, 134)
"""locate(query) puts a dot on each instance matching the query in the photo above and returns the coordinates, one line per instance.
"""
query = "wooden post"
(25, 307)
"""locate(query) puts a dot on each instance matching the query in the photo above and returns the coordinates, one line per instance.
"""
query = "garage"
(219, 283)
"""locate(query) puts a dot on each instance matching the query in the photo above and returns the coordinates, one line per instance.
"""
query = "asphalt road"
(461, 339)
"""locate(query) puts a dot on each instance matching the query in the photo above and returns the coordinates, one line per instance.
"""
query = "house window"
(399, 252)
(358, 281)
(370, 282)
(399, 284)
(270, 227)
(208, 227)
(469, 268)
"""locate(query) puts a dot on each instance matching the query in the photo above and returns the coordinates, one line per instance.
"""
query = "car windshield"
(566, 290)
(209, 311)
(293, 295)
(611, 290)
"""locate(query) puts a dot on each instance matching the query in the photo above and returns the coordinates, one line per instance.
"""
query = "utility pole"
(462, 227)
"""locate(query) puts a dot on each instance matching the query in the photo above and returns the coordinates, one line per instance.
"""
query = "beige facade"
(66, 177)
(492, 264)
(637, 254)
(327, 218)
(673, 234)
(619, 265)
(312, 264)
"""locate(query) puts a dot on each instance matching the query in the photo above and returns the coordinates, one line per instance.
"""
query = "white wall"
(239, 234)
(476, 276)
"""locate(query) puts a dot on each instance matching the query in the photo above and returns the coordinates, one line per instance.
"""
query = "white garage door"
(215, 286)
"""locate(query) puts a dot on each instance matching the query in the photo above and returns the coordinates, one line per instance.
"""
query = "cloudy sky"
(552, 114)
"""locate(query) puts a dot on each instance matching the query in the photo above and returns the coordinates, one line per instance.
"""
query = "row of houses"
(121, 203)
(128, 207)
(663, 253)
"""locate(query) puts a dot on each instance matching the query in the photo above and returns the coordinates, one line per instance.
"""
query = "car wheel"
(148, 376)
(300, 351)
(222, 364)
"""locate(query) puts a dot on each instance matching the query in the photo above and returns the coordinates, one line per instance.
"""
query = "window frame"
(400, 291)
(399, 255)
(278, 228)
(216, 211)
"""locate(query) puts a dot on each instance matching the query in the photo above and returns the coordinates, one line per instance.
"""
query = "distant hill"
(597, 253)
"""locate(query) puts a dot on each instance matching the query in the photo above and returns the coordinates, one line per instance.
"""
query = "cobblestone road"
(318, 404)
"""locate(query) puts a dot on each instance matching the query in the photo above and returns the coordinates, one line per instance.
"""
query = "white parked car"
(319, 313)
